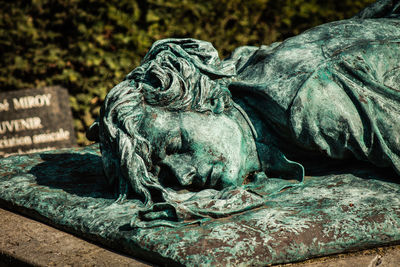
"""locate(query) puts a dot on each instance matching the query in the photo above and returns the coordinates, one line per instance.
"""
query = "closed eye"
(174, 145)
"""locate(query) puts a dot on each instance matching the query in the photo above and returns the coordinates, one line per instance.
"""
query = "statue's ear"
(93, 132)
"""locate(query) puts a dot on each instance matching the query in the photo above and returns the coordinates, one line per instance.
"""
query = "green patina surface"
(195, 137)
(188, 142)
(328, 214)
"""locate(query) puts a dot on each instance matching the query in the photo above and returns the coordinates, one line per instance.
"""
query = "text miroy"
(26, 102)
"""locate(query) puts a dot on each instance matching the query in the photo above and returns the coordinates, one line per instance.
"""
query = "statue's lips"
(194, 178)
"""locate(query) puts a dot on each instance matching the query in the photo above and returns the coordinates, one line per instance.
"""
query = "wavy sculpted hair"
(176, 74)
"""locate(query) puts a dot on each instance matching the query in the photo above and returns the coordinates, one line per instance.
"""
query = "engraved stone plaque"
(35, 120)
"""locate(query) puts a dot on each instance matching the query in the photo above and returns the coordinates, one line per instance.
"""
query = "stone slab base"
(330, 214)
(25, 242)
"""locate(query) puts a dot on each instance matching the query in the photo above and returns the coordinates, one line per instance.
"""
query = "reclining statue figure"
(195, 137)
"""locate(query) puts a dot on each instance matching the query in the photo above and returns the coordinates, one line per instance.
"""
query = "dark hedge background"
(89, 46)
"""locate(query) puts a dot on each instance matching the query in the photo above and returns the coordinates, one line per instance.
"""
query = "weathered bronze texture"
(275, 154)
(185, 129)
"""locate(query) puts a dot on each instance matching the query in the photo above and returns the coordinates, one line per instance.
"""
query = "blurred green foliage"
(89, 46)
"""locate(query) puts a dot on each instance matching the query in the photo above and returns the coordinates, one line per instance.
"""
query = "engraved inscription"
(36, 101)
(35, 120)
(4, 106)
(59, 135)
(20, 125)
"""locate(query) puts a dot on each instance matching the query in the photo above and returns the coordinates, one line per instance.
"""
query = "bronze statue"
(185, 129)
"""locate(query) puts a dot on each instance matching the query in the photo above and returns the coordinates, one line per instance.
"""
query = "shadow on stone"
(364, 170)
(78, 174)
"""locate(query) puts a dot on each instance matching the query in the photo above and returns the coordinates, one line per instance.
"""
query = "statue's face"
(200, 150)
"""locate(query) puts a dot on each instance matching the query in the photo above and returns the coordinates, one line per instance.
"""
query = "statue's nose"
(181, 168)
(185, 174)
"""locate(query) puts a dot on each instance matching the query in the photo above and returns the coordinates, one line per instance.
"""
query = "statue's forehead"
(207, 123)
(159, 123)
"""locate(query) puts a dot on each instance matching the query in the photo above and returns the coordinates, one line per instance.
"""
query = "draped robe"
(333, 90)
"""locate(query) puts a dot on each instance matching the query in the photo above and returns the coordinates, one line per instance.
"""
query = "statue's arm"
(350, 107)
